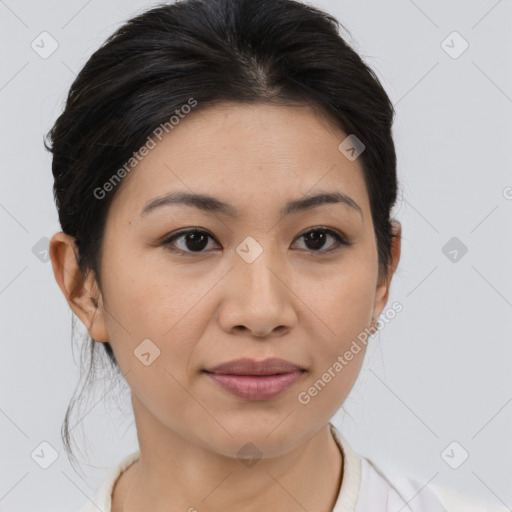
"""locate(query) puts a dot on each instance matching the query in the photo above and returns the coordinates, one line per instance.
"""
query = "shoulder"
(449, 499)
(102, 500)
(368, 487)
(456, 502)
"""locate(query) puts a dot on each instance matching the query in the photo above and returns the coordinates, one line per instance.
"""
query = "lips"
(256, 380)
(271, 366)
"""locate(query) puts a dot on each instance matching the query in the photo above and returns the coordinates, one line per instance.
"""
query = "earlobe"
(81, 292)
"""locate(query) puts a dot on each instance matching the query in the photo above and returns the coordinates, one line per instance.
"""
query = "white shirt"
(364, 488)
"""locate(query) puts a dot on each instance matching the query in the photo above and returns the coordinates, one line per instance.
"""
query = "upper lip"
(272, 366)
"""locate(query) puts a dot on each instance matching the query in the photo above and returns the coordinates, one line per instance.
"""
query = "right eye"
(191, 241)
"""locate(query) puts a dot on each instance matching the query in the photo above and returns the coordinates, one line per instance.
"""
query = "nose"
(257, 299)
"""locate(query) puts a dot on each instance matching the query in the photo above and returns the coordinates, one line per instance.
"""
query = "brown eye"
(193, 240)
(316, 239)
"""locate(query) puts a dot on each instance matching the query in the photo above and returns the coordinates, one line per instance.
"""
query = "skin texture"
(300, 301)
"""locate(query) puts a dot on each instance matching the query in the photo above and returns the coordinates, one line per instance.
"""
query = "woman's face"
(255, 283)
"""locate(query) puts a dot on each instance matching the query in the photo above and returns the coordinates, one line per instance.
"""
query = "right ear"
(81, 292)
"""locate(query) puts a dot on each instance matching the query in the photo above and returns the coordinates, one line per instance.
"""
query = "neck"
(179, 475)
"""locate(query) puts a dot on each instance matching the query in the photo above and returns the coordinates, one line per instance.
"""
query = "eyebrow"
(212, 204)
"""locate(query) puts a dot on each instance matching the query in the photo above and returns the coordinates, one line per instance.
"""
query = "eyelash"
(341, 241)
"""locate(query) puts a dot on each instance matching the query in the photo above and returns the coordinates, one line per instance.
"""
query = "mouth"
(253, 380)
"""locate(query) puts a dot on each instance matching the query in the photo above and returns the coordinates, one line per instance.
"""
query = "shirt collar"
(345, 502)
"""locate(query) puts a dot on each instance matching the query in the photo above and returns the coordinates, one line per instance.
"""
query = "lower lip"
(252, 387)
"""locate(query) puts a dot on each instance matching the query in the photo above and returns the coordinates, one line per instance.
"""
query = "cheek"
(144, 306)
(145, 296)
(342, 302)
(342, 311)
(158, 303)
(341, 308)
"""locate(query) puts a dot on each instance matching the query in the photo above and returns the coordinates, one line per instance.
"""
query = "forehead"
(243, 153)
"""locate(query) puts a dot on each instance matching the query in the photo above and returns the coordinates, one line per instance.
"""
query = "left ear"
(384, 282)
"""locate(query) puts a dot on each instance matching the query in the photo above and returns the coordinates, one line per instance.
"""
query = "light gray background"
(439, 372)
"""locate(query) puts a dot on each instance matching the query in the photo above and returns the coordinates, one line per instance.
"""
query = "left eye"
(317, 237)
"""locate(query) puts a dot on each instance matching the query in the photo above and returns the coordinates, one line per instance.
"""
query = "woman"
(224, 176)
